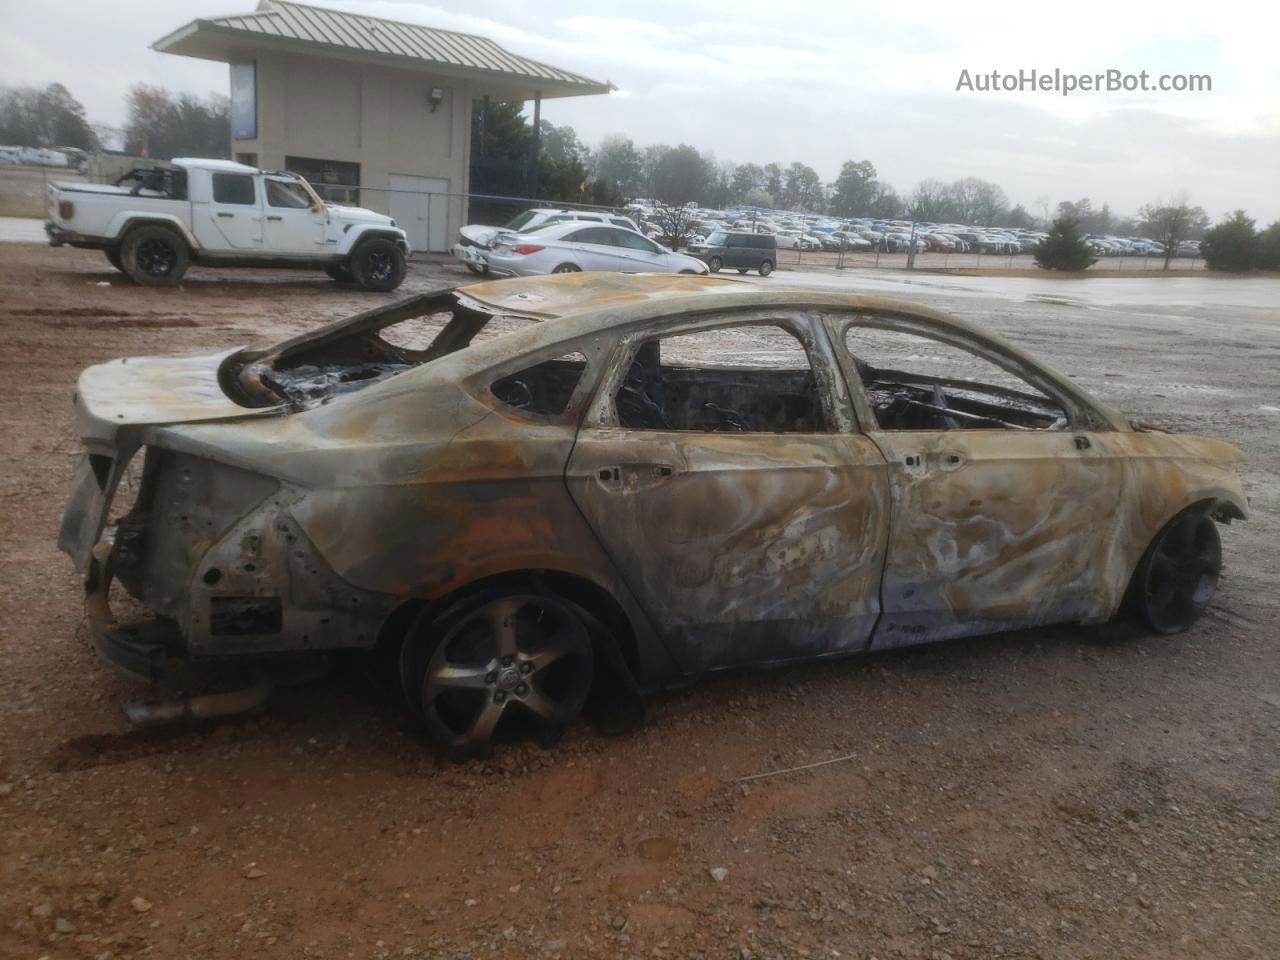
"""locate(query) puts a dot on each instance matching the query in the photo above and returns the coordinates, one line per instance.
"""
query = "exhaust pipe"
(208, 706)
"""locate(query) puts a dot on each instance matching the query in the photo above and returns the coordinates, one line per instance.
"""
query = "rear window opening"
(360, 351)
(544, 389)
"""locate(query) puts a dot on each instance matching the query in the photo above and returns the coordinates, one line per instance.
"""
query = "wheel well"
(1223, 511)
(133, 225)
(379, 235)
(590, 596)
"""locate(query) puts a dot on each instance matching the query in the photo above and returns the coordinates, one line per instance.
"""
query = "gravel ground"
(1061, 793)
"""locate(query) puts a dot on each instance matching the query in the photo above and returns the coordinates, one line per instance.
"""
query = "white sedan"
(571, 247)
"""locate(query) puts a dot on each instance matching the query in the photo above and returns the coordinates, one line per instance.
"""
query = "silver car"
(573, 247)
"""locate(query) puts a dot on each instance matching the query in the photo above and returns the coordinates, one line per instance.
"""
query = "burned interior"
(915, 382)
(355, 353)
(743, 379)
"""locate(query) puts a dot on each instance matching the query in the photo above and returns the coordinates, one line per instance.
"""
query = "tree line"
(160, 124)
(555, 165)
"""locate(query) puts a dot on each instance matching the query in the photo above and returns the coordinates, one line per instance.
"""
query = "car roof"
(567, 294)
(221, 166)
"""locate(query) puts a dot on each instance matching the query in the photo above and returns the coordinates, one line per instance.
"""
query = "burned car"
(514, 487)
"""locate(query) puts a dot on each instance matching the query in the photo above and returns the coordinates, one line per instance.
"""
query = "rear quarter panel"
(1164, 475)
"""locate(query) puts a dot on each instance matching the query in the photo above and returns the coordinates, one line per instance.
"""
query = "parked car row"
(803, 232)
(62, 157)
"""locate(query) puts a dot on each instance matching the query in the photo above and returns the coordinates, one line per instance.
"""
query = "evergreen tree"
(1269, 248)
(1231, 245)
(1064, 248)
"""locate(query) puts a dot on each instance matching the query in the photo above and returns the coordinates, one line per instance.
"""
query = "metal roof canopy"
(316, 31)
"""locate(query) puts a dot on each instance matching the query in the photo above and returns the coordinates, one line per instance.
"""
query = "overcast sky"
(817, 82)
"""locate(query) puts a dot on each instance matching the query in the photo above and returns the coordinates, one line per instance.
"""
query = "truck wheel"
(154, 256)
(378, 264)
(113, 257)
(341, 272)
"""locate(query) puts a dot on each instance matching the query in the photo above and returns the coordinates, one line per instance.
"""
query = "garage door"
(421, 206)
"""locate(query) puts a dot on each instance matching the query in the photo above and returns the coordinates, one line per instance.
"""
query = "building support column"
(537, 143)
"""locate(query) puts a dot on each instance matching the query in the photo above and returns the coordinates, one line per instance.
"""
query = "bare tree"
(1171, 223)
(929, 201)
(676, 223)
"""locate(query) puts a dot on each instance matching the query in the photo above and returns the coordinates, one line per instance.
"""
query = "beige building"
(371, 111)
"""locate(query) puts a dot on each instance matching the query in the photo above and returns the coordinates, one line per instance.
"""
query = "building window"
(335, 180)
(248, 159)
(244, 101)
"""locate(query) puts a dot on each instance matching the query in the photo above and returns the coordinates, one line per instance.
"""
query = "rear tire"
(154, 256)
(766, 268)
(495, 663)
(714, 264)
(1178, 575)
(378, 264)
(113, 257)
(567, 268)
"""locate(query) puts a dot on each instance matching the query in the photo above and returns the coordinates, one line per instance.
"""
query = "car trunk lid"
(134, 392)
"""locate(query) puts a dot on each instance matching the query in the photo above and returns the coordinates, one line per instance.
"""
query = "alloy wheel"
(156, 257)
(523, 659)
(1181, 575)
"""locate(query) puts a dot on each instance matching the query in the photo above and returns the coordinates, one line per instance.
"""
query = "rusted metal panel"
(742, 547)
(997, 529)
(729, 547)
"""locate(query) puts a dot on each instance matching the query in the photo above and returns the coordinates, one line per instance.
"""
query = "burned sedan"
(515, 488)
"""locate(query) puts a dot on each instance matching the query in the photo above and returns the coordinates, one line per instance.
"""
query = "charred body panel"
(339, 474)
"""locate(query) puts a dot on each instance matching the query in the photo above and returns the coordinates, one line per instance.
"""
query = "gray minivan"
(741, 251)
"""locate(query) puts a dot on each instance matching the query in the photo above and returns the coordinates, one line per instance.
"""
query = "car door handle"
(227, 215)
(275, 218)
(634, 476)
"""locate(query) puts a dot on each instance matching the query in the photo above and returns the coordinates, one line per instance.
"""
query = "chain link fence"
(846, 259)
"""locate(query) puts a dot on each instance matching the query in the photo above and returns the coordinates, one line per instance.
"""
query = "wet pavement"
(1171, 294)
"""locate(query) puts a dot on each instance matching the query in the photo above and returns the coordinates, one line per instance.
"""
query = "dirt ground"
(1059, 794)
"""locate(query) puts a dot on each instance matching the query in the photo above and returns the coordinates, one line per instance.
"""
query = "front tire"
(495, 664)
(478, 270)
(378, 264)
(1178, 575)
(714, 264)
(154, 257)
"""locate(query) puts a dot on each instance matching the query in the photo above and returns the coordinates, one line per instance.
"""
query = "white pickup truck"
(156, 221)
